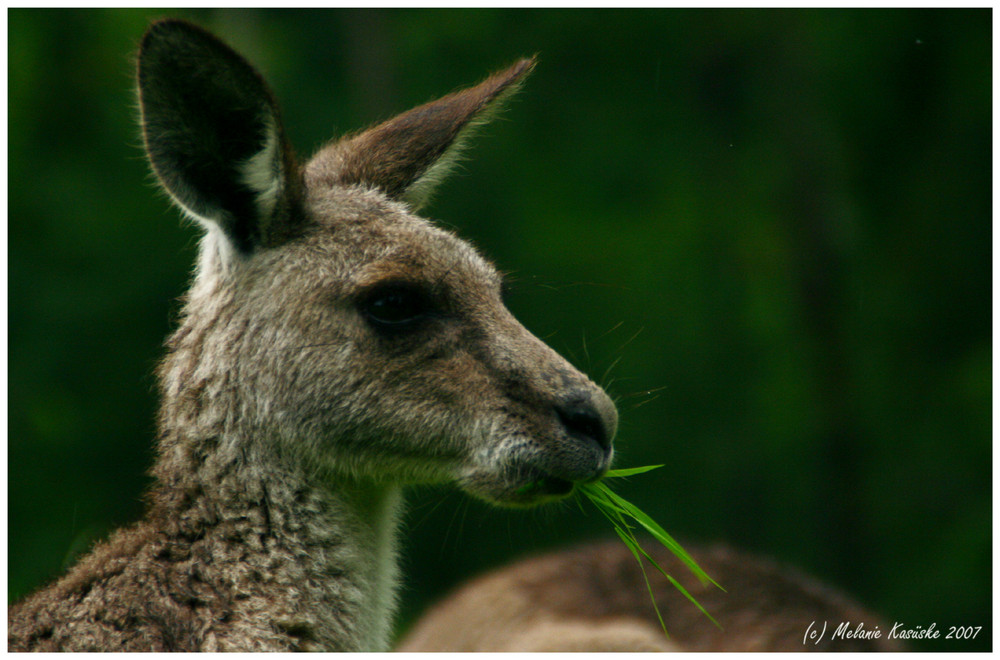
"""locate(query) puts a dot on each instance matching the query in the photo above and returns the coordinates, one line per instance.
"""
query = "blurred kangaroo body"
(333, 348)
(594, 598)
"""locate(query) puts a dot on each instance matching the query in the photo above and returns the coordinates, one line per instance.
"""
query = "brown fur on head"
(328, 323)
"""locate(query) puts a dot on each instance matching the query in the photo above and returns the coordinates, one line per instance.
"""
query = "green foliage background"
(768, 232)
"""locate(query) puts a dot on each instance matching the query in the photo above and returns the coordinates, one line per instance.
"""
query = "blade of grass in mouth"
(620, 511)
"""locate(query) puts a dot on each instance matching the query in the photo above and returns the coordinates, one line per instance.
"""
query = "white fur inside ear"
(420, 191)
(262, 172)
(215, 256)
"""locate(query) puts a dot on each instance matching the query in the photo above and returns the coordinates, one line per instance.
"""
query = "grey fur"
(333, 348)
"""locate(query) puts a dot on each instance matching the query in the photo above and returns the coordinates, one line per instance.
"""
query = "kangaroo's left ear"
(214, 136)
(408, 156)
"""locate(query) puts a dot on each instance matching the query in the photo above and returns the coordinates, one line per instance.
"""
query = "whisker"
(642, 403)
(613, 328)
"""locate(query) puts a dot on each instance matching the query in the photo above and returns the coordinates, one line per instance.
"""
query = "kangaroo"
(594, 598)
(333, 348)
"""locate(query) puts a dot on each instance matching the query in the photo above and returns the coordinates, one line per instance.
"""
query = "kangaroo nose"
(588, 419)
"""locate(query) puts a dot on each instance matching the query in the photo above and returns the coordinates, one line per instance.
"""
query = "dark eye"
(395, 307)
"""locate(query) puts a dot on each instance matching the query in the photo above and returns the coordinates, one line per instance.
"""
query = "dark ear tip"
(160, 28)
(506, 81)
(164, 30)
(521, 69)
(167, 25)
(527, 65)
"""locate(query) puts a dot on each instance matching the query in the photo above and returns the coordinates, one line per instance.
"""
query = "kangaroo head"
(330, 326)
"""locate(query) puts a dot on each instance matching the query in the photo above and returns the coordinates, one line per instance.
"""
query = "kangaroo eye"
(395, 307)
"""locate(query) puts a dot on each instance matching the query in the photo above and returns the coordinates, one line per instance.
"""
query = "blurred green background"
(767, 232)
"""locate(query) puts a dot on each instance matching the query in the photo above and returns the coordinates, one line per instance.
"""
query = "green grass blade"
(679, 586)
(658, 532)
(690, 598)
(634, 546)
(628, 472)
(620, 512)
(624, 531)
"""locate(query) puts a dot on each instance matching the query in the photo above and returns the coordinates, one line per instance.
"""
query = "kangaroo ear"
(214, 137)
(408, 156)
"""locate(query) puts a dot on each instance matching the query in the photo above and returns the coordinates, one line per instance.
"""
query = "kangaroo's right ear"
(214, 137)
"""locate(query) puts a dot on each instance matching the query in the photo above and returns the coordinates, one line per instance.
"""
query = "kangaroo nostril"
(582, 419)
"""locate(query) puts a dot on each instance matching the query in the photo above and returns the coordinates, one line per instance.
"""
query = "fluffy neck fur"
(301, 558)
(292, 563)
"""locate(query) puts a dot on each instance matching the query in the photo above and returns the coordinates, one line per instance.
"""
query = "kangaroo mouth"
(530, 486)
(547, 485)
(532, 480)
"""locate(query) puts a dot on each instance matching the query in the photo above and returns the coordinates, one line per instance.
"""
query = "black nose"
(581, 418)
